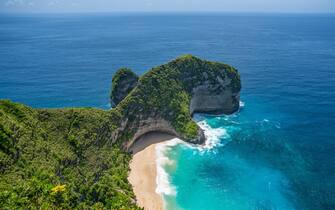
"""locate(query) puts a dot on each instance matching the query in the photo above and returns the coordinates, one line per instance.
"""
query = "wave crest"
(162, 179)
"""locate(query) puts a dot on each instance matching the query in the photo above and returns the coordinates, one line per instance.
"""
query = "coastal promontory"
(167, 96)
(78, 158)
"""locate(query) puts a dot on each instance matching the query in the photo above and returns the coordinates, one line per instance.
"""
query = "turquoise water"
(276, 153)
(235, 171)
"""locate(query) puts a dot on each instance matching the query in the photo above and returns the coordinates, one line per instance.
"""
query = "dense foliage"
(55, 159)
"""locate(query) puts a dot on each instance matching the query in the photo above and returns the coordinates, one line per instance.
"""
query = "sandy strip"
(143, 170)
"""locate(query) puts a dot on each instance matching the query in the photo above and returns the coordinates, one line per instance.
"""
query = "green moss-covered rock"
(123, 81)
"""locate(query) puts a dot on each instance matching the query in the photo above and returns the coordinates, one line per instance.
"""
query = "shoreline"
(143, 170)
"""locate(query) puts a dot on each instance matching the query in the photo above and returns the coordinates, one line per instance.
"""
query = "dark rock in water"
(124, 80)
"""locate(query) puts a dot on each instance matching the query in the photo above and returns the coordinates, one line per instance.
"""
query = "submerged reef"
(76, 158)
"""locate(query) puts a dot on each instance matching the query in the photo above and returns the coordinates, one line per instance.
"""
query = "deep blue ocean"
(276, 153)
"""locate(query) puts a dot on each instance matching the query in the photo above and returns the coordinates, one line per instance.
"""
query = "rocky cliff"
(166, 97)
(124, 80)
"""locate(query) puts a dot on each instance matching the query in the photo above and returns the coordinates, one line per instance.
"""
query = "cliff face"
(124, 80)
(206, 100)
(166, 97)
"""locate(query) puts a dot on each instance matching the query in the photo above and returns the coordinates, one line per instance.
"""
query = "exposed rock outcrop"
(123, 81)
(150, 125)
(166, 97)
(204, 100)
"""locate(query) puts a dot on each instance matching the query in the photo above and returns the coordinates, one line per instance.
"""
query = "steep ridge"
(166, 97)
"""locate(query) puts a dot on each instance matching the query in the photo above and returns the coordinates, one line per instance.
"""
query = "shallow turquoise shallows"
(236, 169)
(276, 153)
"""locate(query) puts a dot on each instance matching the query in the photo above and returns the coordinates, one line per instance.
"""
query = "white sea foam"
(164, 187)
(242, 104)
(213, 135)
(214, 138)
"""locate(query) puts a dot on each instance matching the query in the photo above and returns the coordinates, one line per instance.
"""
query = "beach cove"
(143, 170)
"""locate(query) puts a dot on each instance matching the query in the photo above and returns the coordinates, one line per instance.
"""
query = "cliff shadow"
(148, 139)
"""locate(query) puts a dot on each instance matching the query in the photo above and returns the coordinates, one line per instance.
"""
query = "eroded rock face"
(205, 100)
(124, 80)
(160, 125)
(150, 125)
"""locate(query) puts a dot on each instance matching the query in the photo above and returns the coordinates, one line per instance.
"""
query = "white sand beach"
(144, 170)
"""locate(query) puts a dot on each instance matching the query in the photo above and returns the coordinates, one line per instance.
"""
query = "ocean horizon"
(276, 152)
